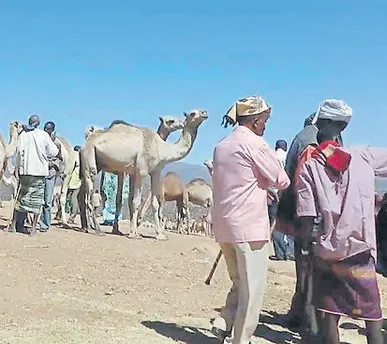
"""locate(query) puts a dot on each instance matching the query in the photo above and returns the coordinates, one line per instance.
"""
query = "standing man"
(244, 168)
(283, 243)
(338, 184)
(287, 221)
(74, 186)
(56, 168)
(34, 149)
(302, 312)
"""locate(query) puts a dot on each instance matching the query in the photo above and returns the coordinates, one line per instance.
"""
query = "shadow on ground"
(197, 335)
(185, 334)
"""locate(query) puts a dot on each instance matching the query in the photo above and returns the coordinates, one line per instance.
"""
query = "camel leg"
(180, 218)
(156, 189)
(62, 202)
(120, 186)
(136, 203)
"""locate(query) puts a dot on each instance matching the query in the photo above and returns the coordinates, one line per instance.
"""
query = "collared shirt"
(55, 163)
(281, 155)
(33, 151)
(346, 203)
(244, 168)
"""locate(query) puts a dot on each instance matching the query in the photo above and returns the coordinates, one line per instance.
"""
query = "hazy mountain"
(187, 172)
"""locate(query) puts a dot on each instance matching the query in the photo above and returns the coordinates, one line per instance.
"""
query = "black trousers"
(302, 311)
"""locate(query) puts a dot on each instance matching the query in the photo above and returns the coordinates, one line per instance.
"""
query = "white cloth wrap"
(335, 110)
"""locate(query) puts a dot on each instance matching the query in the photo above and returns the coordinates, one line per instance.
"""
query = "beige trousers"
(247, 265)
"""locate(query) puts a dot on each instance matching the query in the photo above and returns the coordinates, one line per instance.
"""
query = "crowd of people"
(315, 200)
(39, 163)
(39, 167)
(322, 211)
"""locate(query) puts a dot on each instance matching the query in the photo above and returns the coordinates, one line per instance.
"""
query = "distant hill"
(187, 172)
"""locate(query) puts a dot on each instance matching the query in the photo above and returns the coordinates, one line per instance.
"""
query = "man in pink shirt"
(244, 167)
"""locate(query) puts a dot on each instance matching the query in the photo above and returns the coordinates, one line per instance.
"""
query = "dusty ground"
(69, 287)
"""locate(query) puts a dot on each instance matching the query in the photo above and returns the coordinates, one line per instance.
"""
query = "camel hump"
(198, 181)
(119, 121)
(171, 175)
(64, 142)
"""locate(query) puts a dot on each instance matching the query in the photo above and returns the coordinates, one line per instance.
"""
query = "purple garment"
(348, 287)
(345, 202)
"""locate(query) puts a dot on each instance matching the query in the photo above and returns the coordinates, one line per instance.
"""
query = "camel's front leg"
(62, 201)
(136, 203)
(120, 186)
(180, 218)
(156, 189)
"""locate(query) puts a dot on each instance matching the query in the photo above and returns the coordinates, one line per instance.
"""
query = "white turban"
(335, 110)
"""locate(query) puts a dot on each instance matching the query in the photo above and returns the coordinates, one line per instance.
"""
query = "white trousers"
(247, 265)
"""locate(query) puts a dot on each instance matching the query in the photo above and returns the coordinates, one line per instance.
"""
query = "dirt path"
(69, 287)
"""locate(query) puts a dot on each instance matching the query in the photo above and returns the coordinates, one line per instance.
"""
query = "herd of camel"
(125, 149)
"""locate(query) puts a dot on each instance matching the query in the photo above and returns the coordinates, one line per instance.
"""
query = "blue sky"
(90, 62)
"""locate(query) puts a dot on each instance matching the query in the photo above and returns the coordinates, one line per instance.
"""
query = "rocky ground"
(69, 287)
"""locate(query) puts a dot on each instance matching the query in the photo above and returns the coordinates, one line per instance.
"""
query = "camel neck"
(179, 150)
(163, 132)
(12, 145)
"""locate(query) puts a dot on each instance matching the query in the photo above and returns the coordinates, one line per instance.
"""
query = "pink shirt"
(244, 168)
(346, 204)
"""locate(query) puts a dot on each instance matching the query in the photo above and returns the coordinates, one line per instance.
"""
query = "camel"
(167, 126)
(202, 225)
(197, 191)
(172, 189)
(139, 152)
(7, 151)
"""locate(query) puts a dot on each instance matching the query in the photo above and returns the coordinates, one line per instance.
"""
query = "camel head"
(90, 130)
(194, 118)
(171, 124)
(15, 128)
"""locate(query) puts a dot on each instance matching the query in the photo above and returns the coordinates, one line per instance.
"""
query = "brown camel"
(197, 191)
(139, 152)
(172, 190)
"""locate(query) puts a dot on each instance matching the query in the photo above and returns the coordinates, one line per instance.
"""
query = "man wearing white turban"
(337, 185)
(329, 111)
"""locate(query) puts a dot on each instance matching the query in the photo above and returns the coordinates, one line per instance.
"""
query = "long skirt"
(348, 287)
(109, 189)
(31, 194)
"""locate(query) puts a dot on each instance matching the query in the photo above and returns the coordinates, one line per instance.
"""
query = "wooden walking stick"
(214, 266)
